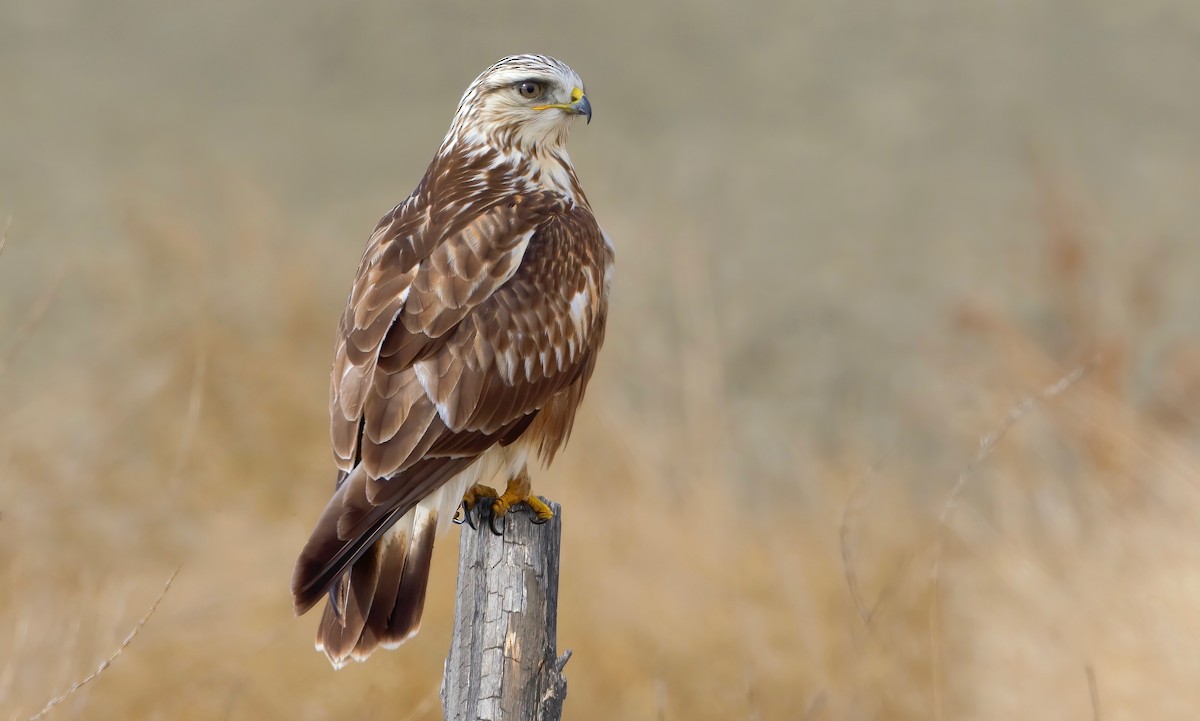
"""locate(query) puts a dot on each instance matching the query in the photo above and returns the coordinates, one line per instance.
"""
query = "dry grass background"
(851, 240)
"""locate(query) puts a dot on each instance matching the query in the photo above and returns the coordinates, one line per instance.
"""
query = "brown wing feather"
(541, 329)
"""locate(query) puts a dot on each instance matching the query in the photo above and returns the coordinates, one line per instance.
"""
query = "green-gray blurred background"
(849, 234)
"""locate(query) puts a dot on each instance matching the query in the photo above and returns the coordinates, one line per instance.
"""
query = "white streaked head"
(523, 103)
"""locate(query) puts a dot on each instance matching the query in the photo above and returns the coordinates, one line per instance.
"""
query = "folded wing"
(462, 332)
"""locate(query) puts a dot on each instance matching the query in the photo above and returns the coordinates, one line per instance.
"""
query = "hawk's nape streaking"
(470, 333)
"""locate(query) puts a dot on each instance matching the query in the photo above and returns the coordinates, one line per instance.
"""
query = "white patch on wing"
(429, 383)
(579, 306)
(506, 364)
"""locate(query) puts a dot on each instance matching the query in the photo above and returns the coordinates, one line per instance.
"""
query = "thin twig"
(987, 444)
(108, 661)
(1094, 691)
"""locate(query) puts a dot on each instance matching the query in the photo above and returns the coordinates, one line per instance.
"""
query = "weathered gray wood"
(503, 664)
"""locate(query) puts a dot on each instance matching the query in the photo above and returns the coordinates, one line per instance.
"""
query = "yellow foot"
(470, 498)
(520, 491)
(477, 491)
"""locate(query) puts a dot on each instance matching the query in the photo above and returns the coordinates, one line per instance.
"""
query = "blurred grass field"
(851, 241)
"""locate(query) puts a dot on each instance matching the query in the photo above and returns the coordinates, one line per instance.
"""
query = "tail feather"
(393, 559)
(343, 621)
(400, 598)
(386, 593)
(405, 617)
(371, 561)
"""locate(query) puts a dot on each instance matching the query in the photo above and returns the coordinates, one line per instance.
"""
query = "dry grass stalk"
(112, 657)
(987, 444)
(1093, 692)
(865, 612)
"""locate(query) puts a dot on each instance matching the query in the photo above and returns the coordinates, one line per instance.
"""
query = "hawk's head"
(522, 103)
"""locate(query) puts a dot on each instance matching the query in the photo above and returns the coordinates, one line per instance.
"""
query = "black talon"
(492, 524)
(538, 520)
(466, 518)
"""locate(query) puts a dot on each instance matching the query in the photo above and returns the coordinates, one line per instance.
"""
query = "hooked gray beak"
(579, 105)
(583, 107)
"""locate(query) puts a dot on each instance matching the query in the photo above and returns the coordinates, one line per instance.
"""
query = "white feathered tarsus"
(468, 339)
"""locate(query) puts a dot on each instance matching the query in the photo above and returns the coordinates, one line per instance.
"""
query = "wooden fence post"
(503, 664)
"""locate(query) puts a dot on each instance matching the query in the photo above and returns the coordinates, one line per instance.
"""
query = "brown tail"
(378, 601)
(369, 555)
(352, 523)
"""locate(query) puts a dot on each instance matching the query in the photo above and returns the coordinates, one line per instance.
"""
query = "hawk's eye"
(529, 89)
